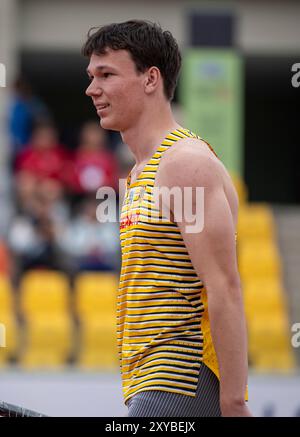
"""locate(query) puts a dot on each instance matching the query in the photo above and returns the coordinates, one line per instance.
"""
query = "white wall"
(8, 57)
(267, 25)
(64, 23)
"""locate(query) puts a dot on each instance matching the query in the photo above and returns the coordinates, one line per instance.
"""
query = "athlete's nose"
(93, 90)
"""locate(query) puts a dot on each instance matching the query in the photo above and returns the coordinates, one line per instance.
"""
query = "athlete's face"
(116, 88)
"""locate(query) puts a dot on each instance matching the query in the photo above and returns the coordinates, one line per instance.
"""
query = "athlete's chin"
(106, 123)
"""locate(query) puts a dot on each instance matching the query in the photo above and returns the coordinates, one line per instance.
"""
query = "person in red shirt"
(94, 165)
(42, 169)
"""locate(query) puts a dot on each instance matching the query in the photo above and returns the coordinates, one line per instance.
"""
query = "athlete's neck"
(148, 132)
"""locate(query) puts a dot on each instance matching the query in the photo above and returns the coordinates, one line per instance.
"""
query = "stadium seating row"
(264, 295)
(53, 326)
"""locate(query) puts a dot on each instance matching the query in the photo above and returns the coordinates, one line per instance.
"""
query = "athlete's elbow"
(227, 288)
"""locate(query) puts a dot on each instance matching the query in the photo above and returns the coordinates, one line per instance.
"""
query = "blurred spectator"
(93, 245)
(94, 164)
(42, 169)
(33, 238)
(24, 112)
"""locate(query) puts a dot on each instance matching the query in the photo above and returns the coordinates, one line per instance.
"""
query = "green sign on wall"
(211, 94)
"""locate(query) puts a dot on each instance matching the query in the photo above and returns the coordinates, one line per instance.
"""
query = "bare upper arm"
(211, 246)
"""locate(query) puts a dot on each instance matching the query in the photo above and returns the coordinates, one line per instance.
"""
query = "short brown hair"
(147, 44)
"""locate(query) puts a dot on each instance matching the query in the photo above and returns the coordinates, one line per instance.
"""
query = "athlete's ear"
(152, 80)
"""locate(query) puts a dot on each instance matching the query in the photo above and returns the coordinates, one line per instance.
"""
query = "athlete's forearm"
(229, 335)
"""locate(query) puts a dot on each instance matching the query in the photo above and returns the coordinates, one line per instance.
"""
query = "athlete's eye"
(107, 74)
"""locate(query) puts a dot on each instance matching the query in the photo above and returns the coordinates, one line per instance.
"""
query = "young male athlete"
(181, 324)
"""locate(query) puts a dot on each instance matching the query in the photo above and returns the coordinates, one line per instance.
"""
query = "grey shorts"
(155, 403)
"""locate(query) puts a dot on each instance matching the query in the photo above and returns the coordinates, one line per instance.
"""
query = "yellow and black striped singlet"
(162, 316)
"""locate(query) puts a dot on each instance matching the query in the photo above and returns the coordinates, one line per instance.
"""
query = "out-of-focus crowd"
(54, 225)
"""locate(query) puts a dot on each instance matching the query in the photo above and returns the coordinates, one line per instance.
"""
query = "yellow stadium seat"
(98, 331)
(98, 342)
(12, 334)
(44, 292)
(95, 294)
(47, 342)
(8, 319)
(269, 333)
(264, 296)
(35, 359)
(4, 359)
(258, 259)
(55, 332)
(283, 362)
(255, 221)
(96, 359)
(6, 295)
(3, 350)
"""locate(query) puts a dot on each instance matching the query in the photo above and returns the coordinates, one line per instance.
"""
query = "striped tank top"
(162, 316)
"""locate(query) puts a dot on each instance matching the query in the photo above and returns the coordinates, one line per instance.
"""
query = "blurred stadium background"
(59, 266)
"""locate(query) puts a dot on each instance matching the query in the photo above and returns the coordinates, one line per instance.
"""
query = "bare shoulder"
(191, 163)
